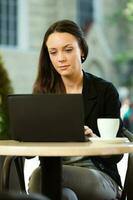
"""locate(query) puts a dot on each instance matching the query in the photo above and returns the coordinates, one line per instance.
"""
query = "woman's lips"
(64, 67)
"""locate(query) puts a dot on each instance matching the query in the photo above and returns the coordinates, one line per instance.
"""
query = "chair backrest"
(127, 192)
(22, 196)
(128, 134)
(12, 167)
(130, 177)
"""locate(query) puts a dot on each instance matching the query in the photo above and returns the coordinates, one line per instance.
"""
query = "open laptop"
(46, 117)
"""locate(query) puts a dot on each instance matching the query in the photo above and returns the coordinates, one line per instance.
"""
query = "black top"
(101, 100)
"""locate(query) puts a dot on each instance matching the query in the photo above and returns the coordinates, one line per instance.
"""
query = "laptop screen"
(46, 117)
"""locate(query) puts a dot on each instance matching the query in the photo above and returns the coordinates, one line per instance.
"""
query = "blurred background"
(108, 28)
(107, 25)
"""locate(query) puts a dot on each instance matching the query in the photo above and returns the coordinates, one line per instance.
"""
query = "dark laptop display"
(47, 117)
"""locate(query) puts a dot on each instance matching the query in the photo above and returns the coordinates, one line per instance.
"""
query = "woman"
(64, 49)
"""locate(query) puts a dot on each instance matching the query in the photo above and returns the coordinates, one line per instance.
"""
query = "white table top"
(91, 148)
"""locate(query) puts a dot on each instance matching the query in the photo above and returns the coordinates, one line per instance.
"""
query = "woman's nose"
(61, 57)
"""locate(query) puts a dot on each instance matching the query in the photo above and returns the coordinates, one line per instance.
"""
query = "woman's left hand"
(88, 132)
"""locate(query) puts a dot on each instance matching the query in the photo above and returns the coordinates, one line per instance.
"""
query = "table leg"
(51, 177)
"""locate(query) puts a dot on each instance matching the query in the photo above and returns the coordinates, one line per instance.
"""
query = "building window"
(8, 22)
(85, 14)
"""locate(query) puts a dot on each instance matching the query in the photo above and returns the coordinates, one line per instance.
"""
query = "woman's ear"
(82, 58)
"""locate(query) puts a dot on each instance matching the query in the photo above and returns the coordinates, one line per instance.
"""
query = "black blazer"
(101, 99)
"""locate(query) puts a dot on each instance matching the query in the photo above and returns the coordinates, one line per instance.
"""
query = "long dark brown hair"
(48, 79)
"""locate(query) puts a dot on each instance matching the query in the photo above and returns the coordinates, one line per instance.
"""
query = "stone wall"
(22, 63)
(22, 68)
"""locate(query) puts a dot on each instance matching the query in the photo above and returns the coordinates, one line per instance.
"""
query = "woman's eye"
(52, 52)
(68, 50)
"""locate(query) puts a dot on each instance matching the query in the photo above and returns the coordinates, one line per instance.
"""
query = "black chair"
(127, 193)
(22, 196)
(12, 165)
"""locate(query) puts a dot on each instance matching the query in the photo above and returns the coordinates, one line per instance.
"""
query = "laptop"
(46, 117)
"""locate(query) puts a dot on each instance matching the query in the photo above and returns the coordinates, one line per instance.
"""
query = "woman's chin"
(64, 73)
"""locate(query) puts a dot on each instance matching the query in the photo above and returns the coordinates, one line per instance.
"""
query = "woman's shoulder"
(99, 83)
(96, 79)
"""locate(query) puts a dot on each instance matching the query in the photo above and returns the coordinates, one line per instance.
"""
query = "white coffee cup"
(108, 127)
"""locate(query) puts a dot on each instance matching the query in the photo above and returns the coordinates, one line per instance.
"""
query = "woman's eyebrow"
(67, 45)
(54, 48)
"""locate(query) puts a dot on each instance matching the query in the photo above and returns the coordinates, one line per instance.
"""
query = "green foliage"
(123, 58)
(122, 18)
(5, 89)
(123, 14)
(128, 11)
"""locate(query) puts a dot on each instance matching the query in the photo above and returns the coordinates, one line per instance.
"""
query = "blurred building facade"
(24, 22)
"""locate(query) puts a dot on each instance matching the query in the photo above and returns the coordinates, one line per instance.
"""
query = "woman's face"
(65, 53)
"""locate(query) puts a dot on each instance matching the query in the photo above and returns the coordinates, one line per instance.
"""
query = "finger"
(87, 131)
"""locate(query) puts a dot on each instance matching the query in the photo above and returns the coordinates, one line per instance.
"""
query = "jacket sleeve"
(113, 105)
(112, 109)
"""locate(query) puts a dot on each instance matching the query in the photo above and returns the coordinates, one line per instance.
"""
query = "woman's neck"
(74, 84)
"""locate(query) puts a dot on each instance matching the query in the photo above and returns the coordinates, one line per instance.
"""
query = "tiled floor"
(30, 165)
(122, 167)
